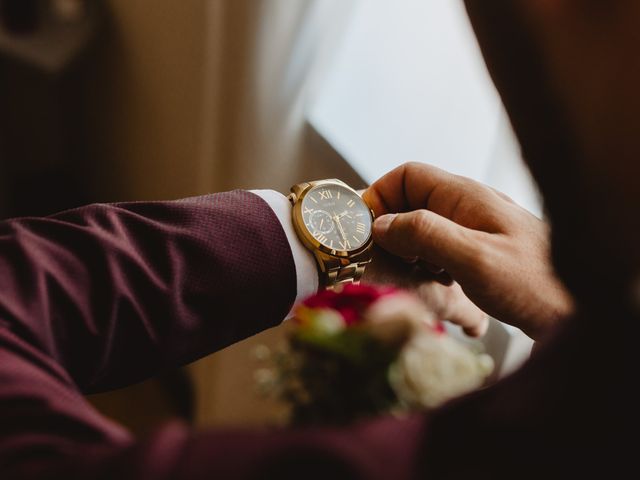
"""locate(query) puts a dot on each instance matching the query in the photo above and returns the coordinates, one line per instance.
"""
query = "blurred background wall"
(107, 100)
(198, 96)
(145, 98)
(163, 99)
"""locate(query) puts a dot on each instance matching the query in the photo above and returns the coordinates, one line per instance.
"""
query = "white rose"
(432, 369)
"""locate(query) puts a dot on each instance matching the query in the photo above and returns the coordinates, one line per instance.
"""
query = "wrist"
(305, 264)
(334, 224)
(559, 308)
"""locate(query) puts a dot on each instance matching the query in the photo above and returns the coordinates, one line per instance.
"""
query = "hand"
(336, 220)
(497, 251)
(442, 297)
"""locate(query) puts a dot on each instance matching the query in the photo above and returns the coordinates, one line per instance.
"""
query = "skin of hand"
(442, 297)
(495, 250)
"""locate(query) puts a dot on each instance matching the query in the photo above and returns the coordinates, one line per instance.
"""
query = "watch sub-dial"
(321, 221)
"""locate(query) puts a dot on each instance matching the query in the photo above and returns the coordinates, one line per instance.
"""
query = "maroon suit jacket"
(106, 295)
(102, 296)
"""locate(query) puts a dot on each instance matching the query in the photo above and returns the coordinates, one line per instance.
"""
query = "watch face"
(336, 217)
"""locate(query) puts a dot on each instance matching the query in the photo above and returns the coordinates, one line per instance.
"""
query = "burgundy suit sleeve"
(114, 293)
(106, 295)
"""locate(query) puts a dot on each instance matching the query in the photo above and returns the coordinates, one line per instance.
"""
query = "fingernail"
(381, 225)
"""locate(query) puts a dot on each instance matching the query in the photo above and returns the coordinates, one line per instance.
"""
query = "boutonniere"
(366, 351)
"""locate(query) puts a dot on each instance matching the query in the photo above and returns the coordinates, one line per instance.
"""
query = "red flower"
(350, 302)
(439, 328)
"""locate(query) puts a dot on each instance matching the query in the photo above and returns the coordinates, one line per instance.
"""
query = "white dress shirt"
(306, 266)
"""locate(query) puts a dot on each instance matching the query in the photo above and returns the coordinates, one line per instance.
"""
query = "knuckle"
(412, 166)
(481, 256)
(420, 222)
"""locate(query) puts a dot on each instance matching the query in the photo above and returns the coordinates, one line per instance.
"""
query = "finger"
(391, 193)
(429, 236)
(479, 329)
(450, 303)
(418, 185)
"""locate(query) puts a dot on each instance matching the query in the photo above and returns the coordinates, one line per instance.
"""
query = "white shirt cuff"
(306, 267)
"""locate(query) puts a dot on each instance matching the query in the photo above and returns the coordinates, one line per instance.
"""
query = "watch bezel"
(309, 240)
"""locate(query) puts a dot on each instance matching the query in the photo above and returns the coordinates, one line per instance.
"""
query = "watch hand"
(340, 229)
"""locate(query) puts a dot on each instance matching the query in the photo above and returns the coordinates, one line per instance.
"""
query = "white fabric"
(265, 59)
(306, 267)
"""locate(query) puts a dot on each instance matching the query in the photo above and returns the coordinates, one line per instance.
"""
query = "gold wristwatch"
(334, 223)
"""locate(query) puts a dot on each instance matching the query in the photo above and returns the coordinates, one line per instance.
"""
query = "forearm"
(104, 295)
(117, 292)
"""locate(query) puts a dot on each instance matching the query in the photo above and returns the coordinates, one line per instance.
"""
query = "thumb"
(425, 234)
